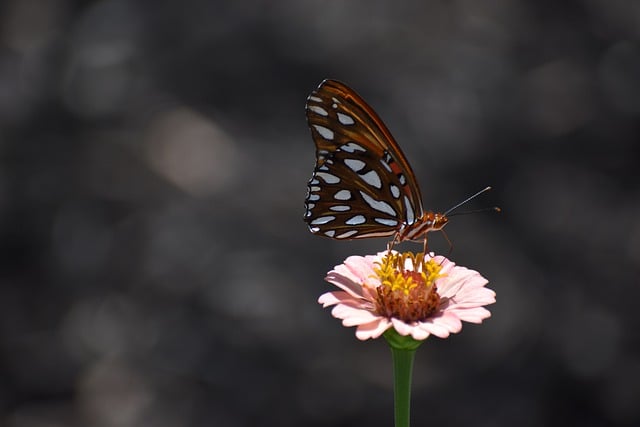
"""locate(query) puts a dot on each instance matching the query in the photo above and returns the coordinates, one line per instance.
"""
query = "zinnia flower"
(416, 295)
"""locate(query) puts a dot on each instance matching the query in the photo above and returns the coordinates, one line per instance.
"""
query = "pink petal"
(472, 301)
(418, 333)
(360, 267)
(438, 330)
(355, 276)
(448, 288)
(449, 321)
(343, 298)
(472, 315)
(403, 328)
(373, 329)
(360, 318)
(472, 289)
(344, 282)
(472, 284)
(476, 299)
(333, 298)
(447, 265)
(344, 312)
(455, 280)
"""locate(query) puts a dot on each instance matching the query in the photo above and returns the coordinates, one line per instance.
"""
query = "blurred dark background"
(156, 270)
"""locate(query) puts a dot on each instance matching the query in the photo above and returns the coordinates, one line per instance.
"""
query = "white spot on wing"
(395, 191)
(402, 179)
(335, 100)
(354, 164)
(330, 233)
(345, 119)
(314, 188)
(313, 197)
(378, 205)
(358, 219)
(352, 147)
(328, 178)
(314, 182)
(347, 234)
(340, 208)
(386, 165)
(314, 229)
(318, 110)
(314, 99)
(385, 221)
(372, 178)
(310, 206)
(342, 195)
(324, 132)
(322, 220)
(376, 234)
(410, 215)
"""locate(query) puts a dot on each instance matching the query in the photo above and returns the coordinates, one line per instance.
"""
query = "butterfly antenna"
(484, 190)
(494, 208)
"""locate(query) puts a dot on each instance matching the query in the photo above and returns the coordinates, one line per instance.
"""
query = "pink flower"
(415, 295)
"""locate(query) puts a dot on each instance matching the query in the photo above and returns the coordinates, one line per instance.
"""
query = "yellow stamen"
(407, 286)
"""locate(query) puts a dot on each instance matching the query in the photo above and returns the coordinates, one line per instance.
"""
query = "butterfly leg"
(449, 242)
(392, 243)
(425, 247)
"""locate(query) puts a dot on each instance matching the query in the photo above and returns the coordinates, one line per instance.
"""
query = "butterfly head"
(438, 222)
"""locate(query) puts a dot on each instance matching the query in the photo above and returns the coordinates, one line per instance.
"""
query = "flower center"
(407, 289)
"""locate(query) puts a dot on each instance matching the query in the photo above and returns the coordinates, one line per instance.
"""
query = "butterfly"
(362, 185)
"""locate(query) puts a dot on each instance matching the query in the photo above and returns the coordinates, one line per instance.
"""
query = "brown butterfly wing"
(362, 185)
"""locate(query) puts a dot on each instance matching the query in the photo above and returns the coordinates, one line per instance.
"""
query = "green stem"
(402, 370)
